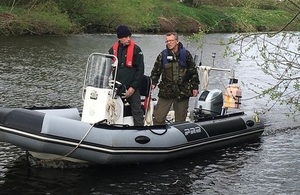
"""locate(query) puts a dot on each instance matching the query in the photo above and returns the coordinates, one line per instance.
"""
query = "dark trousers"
(136, 109)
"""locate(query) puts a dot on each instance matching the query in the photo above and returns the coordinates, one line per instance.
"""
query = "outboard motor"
(209, 104)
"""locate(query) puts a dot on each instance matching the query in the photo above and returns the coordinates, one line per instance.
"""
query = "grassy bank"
(92, 16)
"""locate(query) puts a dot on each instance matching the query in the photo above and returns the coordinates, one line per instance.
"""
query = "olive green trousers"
(163, 107)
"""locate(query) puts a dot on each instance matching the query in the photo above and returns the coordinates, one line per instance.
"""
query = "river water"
(49, 70)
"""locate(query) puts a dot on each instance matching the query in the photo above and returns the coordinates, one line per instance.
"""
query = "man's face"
(171, 42)
(125, 40)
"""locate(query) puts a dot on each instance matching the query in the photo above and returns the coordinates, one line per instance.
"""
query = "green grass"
(40, 20)
(65, 16)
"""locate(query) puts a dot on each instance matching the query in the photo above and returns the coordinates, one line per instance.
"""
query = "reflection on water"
(49, 71)
(201, 173)
(257, 168)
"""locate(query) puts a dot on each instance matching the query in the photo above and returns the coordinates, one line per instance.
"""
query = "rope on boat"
(83, 138)
(205, 70)
(80, 141)
(111, 109)
(152, 131)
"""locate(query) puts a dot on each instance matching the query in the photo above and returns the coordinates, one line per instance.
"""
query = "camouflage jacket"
(177, 81)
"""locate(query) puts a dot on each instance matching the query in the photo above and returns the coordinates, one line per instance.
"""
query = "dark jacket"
(129, 76)
(177, 81)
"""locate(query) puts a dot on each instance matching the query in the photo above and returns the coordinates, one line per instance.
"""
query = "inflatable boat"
(103, 132)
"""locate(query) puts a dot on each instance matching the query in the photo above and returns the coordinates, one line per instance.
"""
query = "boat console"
(102, 93)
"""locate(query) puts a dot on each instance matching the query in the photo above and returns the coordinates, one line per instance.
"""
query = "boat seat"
(145, 86)
(144, 89)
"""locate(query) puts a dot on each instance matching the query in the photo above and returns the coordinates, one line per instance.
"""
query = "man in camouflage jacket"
(179, 80)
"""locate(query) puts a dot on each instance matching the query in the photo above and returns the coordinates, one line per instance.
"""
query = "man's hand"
(153, 87)
(195, 92)
(129, 92)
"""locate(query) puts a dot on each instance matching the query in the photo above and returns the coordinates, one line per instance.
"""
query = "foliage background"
(18, 17)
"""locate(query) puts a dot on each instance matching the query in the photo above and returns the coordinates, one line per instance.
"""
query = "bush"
(38, 19)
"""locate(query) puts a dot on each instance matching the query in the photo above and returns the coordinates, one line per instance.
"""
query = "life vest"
(182, 57)
(129, 55)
